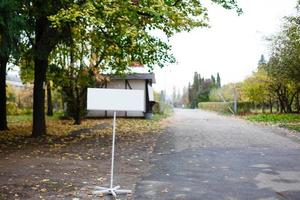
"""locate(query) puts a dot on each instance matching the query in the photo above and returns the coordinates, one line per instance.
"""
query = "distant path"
(206, 156)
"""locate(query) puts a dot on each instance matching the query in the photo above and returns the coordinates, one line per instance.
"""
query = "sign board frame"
(114, 100)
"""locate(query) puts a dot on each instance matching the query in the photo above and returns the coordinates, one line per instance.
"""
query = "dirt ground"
(70, 167)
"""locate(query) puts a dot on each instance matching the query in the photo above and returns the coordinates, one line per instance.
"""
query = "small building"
(135, 81)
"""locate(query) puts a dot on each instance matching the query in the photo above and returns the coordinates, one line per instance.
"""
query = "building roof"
(136, 76)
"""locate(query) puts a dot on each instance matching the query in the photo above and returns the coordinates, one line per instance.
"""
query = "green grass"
(290, 121)
(295, 127)
(274, 118)
(168, 111)
(19, 118)
(28, 117)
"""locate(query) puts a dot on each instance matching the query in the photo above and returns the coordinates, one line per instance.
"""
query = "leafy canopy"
(119, 32)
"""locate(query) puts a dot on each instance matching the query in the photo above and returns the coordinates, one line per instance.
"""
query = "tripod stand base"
(114, 191)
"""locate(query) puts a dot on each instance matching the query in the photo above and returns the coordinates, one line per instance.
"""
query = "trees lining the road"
(116, 32)
(278, 80)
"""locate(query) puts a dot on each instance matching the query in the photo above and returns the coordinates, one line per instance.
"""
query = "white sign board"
(115, 99)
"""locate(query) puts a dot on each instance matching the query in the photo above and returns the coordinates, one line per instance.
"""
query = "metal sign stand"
(112, 190)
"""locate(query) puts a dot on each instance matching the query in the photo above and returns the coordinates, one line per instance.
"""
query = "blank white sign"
(115, 99)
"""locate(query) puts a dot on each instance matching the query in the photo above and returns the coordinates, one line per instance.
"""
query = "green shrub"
(275, 118)
(245, 107)
(215, 106)
(12, 108)
(222, 107)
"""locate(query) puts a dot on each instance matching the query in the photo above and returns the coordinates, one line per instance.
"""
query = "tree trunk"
(49, 100)
(42, 48)
(263, 107)
(39, 123)
(3, 117)
(77, 116)
(271, 105)
(289, 108)
(298, 102)
(281, 102)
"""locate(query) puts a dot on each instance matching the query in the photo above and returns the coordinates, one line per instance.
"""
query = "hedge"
(222, 107)
(12, 109)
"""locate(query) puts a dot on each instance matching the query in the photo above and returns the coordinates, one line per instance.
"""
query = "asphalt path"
(206, 156)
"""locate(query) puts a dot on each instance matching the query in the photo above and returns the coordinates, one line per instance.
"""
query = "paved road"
(204, 156)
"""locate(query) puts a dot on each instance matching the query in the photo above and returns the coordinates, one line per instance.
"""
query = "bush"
(215, 106)
(12, 108)
(245, 107)
(222, 107)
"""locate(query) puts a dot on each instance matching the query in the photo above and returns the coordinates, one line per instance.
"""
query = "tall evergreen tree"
(213, 80)
(262, 60)
(218, 80)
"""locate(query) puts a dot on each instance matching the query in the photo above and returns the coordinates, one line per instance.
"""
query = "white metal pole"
(113, 151)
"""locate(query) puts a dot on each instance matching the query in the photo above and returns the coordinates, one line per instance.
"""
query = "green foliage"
(119, 32)
(283, 66)
(220, 107)
(161, 109)
(218, 80)
(10, 94)
(25, 117)
(113, 34)
(14, 109)
(226, 92)
(295, 127)
(223, 107)
(167, 112)
(274, 118)
(257, 87)
(290, 121)
(272, 82)
(200, 89)
(245, 107)
(11, 25)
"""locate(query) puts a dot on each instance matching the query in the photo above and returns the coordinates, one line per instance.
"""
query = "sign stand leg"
(112, 190)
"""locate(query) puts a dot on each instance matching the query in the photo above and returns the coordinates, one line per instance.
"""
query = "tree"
(200, 89)
(108, 20)
(283, 87)
(257, 87)
(213, 80)
(11, 25)
(283, 66)
(262, 60)
(218, 80)
(49, 99)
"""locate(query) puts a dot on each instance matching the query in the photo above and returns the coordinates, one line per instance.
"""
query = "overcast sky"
(232, 46)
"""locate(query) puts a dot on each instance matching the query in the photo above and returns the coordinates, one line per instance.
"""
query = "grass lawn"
(290, 121)
(28, 117)
(21, 126)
